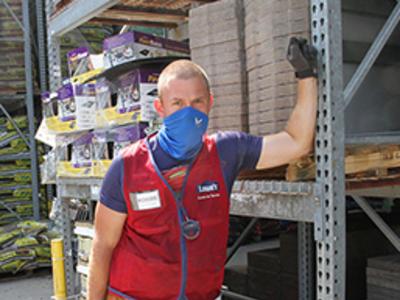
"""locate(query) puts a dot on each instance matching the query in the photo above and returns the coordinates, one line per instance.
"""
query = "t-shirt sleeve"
(237, 151)
(111, 193)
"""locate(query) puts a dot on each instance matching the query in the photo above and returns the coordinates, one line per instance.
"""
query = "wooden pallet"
(362, 163)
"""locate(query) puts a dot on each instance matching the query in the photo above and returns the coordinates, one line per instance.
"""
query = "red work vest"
(152, 259)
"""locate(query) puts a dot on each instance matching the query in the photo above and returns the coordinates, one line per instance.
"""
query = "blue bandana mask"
(181, 134)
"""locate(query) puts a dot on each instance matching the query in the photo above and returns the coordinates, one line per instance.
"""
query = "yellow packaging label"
(100, 167)
(111, 117)
(66, 169)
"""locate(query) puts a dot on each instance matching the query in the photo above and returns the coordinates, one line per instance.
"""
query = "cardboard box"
(134, 45)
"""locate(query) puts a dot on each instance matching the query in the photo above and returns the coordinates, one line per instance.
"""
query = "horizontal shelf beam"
(8, 140)
(15, 187)
(374, 138)
(80, 188)
(10, 157)
(77, 13)
(13, 172)
(275, 200)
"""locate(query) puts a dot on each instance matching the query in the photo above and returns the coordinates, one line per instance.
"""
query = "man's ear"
(159, 107)
(211, 100)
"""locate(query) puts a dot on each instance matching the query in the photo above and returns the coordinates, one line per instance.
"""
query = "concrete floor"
(38, 286)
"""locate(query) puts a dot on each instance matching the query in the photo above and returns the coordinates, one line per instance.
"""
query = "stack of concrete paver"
(217, 44)
(12, 77)
(242, 45)
(271, 83)
(383, 277)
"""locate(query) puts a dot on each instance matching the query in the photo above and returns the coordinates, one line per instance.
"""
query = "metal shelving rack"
(319, 206)
(28, 99)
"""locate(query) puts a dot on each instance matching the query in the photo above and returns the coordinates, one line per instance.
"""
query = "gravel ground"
(38, 286)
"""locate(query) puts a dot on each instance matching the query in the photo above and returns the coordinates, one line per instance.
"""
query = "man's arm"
(297, 139)
(108, 228)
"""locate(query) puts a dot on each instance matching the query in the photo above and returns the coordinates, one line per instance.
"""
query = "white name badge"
(145, 200)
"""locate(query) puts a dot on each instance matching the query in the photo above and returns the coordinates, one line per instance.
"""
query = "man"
(162, 221)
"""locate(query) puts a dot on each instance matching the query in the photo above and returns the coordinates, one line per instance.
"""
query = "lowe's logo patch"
(208, 187)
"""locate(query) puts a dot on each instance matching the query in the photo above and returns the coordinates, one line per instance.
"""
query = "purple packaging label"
(45, 97)
(66, 91)
(68, 118)
(118, 40)
(128, 109)
(128, 78)
(148, 39)
(84, 139)
(129, 134)
(132, 37)
(82, 164)
(88, 89)
(149, 75)
(78, 53)
(176, 46)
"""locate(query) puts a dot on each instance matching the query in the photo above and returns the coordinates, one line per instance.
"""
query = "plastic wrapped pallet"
(271, 83)
(216, 42)
(24, 246)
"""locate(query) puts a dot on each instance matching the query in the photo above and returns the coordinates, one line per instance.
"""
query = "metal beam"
(240, 239)
(14, 16)
(275, 200)
(371, 55)
(8, 116)
(40, 25)
(380, 138)
(330, 226)
(233, 295)
(77, 13)
(10, 157)
(30, 110)
(306, 261)
(381, 224)
(378, 192)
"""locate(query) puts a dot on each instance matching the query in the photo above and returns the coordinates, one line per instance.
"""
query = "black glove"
(302, 57)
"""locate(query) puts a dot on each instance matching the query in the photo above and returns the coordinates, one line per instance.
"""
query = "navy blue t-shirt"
(237, 151)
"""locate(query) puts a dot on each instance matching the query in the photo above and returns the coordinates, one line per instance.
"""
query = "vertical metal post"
(41, 41)
(30, 109)
(326, 35)
(40, 24)
(306, 260)
(67, 237)
(53, 53)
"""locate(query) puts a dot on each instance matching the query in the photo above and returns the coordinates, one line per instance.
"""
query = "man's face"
(181, 93)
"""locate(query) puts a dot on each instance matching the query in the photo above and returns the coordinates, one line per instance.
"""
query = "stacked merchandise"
(85, 233)
(271, 82)
(15, 175)
(383, 277)
(273, 273)
(270, 274)
(216, 42)
(255, 94)
(24, 246)
(88, 36)
(12, 76)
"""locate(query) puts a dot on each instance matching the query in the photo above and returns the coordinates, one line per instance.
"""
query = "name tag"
(145, 200)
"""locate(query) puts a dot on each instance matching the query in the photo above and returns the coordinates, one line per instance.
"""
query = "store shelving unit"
(15, 101)
(318, 206)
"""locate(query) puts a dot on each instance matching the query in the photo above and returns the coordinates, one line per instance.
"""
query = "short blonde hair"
(181, 69)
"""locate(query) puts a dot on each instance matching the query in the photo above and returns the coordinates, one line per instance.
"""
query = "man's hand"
(302, 57)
